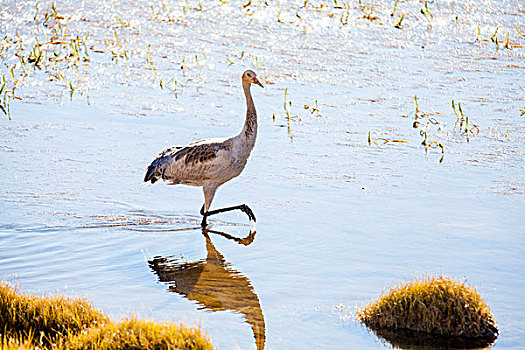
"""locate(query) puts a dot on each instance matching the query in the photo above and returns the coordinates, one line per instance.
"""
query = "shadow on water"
(214, 284)
(408, 340)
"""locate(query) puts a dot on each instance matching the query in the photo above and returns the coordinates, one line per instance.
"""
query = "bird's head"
(249, 77)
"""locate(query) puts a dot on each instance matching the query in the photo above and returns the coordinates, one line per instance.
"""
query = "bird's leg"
(204, 216)
(209, 193)
(243, 207)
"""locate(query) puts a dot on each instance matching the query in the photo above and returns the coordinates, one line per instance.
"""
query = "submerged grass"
(432, 305)
(60, 322)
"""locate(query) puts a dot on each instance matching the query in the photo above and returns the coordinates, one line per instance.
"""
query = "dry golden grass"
(13, 344)
(58, 322)
(43, 319)
(140, 334)
(434, 305)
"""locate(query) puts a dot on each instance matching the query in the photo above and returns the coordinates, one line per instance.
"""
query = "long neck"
(249, 130)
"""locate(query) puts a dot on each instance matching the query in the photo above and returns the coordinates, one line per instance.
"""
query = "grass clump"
(140, 334)
(58, 322)
(43, 319)
(14, 344)
(434, 305)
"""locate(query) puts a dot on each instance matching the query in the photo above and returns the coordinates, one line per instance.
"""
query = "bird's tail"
(152, 174)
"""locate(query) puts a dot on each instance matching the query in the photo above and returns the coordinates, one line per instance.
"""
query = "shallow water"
(338, 219)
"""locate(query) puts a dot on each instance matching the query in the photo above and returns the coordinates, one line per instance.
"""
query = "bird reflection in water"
(214, 284)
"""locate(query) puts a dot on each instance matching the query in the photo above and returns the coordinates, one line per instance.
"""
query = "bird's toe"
(246, 209)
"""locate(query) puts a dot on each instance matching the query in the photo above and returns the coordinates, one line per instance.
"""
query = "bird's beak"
(256, 81)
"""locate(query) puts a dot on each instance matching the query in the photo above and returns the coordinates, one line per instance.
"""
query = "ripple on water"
(338, 218)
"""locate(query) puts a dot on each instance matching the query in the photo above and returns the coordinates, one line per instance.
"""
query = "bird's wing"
(199, 162)
(169, 151)
(207, 141)
(193, 164)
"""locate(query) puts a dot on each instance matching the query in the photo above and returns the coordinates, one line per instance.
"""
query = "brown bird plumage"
(210, 163)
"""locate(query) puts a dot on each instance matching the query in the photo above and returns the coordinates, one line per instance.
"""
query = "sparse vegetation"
(314, 110)
(433, 305)
(398, 23)
(5, 95)
(423, 121)
(287, 107)
(507, 44)
(426, 12)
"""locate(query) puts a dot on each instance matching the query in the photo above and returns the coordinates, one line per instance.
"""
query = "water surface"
(339, 219)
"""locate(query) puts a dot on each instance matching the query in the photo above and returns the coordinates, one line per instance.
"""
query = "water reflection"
(409, 340)
(214, 284)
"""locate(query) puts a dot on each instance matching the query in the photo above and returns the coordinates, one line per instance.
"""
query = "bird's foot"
(246, 209)
(243, 207)
(202, 210)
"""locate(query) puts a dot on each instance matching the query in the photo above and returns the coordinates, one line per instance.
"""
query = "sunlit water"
(338, 219)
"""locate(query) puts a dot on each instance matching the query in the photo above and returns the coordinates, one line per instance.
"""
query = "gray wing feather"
(191, 164)
(157, 167)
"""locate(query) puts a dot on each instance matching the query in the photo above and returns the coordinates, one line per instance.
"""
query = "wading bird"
(212, 162)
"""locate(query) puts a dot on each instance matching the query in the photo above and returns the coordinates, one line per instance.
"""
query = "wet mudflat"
(354, 185)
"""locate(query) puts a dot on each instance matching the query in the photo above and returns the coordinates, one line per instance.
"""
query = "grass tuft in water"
(30, 322)
(394, 10)
(398, 24)
(434, 305)
(140, 334)
(5, 95)
(43, 319)
(16, 344)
